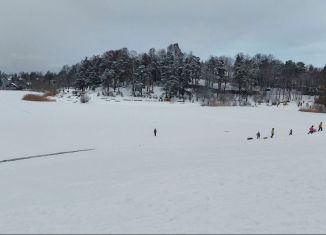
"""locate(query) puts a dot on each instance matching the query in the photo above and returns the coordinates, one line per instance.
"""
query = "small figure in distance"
(320, 128)
(312, 130)
(258, 135)
(291, 132)
(155, 132)
(273, 132)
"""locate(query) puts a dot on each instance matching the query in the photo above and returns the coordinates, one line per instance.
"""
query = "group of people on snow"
(311, 131)
(272, 133)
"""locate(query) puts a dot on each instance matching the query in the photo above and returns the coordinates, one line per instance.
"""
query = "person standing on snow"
(273, 132)
(155, 132)
(290, 132)
(258, 135)
(320, 126)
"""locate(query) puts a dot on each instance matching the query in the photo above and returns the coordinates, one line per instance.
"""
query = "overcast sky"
(40, 35)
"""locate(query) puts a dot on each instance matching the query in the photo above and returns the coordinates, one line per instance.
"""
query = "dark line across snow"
(45, 155)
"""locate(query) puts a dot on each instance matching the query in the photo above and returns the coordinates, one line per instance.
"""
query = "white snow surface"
(199, 175)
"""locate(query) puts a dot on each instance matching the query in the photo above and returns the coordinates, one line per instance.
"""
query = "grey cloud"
(46, 34)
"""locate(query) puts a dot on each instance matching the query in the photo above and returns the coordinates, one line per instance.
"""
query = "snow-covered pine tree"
(107, 78)
(173, 83)
(240, 71)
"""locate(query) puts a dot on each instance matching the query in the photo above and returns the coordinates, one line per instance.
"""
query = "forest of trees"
(182, 75)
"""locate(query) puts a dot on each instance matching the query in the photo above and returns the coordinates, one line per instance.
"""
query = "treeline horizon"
(179, 74)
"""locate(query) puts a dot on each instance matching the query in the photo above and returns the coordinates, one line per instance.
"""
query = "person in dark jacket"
(273, 132)
(155, 131)
(258, 135)
(291, 132)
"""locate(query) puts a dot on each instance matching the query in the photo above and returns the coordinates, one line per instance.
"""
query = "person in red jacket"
(312, 130)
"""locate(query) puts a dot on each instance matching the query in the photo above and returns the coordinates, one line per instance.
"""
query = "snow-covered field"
(199, 175)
